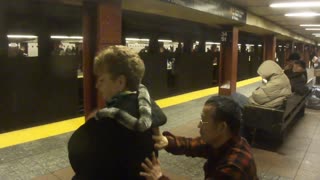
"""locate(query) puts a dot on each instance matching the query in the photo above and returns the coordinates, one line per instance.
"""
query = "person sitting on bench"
(275, 88)
(298, 79)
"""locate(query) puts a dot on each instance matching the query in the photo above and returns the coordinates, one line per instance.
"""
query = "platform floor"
(297, 158)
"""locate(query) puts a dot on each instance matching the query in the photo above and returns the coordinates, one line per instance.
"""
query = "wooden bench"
(317, 76)
(274, 122)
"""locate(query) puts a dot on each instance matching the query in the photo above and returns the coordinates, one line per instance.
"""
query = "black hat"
(301, 63)
(294, 57)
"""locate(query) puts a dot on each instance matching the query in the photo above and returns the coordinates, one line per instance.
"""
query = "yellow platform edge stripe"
(53, 129)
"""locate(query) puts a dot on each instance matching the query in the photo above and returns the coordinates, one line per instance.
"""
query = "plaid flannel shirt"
(233, 160)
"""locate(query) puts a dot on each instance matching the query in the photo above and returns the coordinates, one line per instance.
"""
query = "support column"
(44, 41)
(109, 23)
(288, 50)
(187, 45)
(89, 48)
(293, 47)
(306, 54)
(269, 50)
(3, 30)
(102, 27)
(109, 30)
(300, 49)
(228, 61)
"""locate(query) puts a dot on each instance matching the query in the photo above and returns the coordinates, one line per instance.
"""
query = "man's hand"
(161, 141)
(152, 170)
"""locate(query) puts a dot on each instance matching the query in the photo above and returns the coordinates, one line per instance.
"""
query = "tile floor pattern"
(297, 158)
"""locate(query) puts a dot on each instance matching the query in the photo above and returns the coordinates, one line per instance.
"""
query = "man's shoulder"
(240, 154)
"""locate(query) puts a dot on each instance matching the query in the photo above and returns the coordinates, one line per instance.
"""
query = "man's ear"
(222, 126)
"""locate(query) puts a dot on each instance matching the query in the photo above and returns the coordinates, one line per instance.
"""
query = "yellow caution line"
(39, 132)
(171, 101)
(53, 129)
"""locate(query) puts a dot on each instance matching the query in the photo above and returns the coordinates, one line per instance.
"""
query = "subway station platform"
(46, 158)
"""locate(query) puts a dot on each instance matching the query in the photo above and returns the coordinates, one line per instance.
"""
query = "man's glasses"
(202, 122)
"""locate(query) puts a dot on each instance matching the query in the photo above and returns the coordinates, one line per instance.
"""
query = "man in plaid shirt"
(228, 155)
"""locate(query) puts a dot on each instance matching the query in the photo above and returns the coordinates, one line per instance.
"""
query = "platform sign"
(226, 37)
(215, 7)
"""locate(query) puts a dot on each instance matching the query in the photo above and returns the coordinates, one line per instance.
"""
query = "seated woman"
(275, 88)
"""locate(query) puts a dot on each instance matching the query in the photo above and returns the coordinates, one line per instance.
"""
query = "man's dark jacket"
(298, 82)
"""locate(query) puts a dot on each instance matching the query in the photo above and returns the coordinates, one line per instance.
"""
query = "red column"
(288, 50)
(300, 49)
(306, 55)
(101, 28)
(109, 28)
(270, 43)
(89, 48)
(228, 61)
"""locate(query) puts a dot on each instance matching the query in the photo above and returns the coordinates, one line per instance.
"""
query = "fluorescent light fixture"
(13, 45)
(136, 39)
(279, 46)
(164, 40)
(66, 37)
(22, 36)
(213, 43)
(132, 39)
(303, 14)
(259, 45)
(310, 25)
(296, 4)
(249, 44)
(312, 29)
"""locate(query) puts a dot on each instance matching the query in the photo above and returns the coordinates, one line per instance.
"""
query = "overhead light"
(212, 43)
(22, 36)
(310, 25)
(249, 44)
(66, 37)
(13, 45)
(164, 40)
(136, 39)
(295, 4)
(259, 45)
(303, 14)
(312, 29)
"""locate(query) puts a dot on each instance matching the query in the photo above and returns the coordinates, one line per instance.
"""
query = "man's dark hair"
(300, 63)
(226, 110)
(294, 57)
